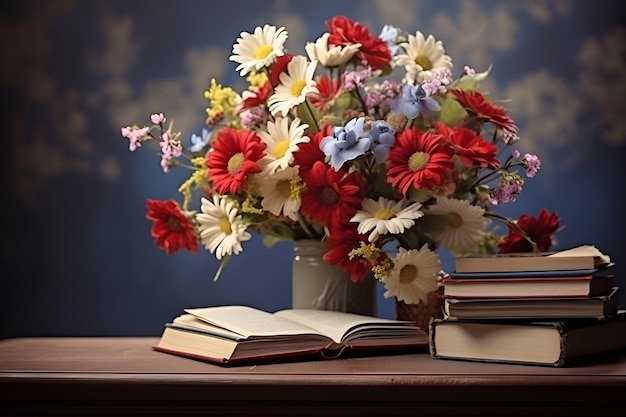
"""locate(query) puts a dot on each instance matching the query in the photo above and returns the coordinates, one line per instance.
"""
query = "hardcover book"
(235, 334)
(548, 343)
(582, 257)
(576, 286)
(600, 307)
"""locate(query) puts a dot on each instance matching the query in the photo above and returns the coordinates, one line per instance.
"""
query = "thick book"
(236, 334)
(575, 286)
(600, 307)
(548, 343)
(578, 258)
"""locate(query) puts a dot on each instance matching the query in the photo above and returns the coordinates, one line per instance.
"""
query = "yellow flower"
(222, 100)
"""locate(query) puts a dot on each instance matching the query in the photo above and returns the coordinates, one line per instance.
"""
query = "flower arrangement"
(368, 142)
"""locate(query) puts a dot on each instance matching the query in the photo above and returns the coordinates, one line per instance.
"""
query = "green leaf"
(451, 112)
(304, 113)
(471, 82)
(418, 196)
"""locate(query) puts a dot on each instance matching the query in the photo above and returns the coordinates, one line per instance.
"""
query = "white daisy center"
(455, 221)
(297, 87)
(225, 225)
(235, 162)
(263, 51)
(408, 273)
(418, 160)
(424, 62)
(384, 214)
(280, 149)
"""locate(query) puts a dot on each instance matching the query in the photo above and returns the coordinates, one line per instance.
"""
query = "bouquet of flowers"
(368, 142)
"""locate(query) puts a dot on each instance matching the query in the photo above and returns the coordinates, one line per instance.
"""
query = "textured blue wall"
(76, 248)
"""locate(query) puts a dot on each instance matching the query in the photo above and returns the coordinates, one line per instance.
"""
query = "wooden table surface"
(124, 376)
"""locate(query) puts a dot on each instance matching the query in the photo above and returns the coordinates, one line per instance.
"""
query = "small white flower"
(221, 227)
(333, 56)
(282, 141)
(424, 57)
(386, 216)
(464, 224)
(258, 50)
(281, 192)
(415, 274)
(295, 85)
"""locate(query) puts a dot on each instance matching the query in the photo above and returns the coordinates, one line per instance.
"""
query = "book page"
(248, 321)
(332, 323)
(189, 321)
(584, 250)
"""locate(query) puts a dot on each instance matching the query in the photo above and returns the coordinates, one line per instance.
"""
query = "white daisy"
(282, 141)
(386, 216)
(281, 192)
(424, 57)
(295, 85)
(258, 50)
(221, 227)
(464, 224)
(414, 275)
(334, 56)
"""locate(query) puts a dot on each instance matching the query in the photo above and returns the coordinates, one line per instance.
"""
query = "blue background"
(77, 254)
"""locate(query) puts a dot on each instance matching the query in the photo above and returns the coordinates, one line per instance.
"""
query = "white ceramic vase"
(321, 286)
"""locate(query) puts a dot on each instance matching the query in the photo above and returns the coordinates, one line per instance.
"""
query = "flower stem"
(515, 226)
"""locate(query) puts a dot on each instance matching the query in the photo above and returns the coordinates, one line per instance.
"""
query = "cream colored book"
(234, 334)
(585, 257)
(545, 342)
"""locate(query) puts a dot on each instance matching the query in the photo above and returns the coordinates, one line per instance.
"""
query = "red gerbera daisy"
(341, 244)
(476, 103)
(329, 89)
(310, 152)
(233, 158)
(256, 98)
(540, 229)
(419, 159)
(171, 228)
(278, 68)
(373, 50)
(331, 196)
(472, 150)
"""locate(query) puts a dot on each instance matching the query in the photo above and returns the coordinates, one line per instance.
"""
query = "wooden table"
(124, 376)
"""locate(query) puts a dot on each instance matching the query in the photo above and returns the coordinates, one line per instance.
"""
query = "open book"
(585, 257)
(231, 334)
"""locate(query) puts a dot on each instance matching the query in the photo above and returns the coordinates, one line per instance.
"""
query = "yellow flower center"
(408, 273)
(424, 62)
(454, 220)
(283, 187)
(384, 214)
(263, 51)
(297, 87)
(418, 160)
(281, 148)
(235, 162)
(225, 225)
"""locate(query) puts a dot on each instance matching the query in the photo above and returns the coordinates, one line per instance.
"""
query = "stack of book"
(540, 309)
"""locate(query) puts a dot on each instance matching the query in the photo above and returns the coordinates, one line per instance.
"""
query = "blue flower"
(346, 143)
(198, 143)
(389, 34)
(415, 101)
(383, 138)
